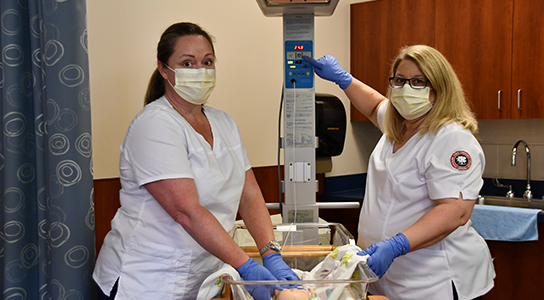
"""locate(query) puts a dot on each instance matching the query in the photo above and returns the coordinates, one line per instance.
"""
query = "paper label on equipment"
(299, 119)
(290, 227)
(303, 216)
(298, 27)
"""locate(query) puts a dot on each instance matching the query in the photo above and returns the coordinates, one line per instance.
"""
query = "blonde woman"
(423, 179)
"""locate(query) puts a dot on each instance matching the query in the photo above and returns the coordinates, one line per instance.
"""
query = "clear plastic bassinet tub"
(316, 252)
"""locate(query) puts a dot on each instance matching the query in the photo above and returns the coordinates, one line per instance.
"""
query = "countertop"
(357, 195)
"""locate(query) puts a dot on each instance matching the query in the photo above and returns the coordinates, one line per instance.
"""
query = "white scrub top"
(399, 190)
(151, 254)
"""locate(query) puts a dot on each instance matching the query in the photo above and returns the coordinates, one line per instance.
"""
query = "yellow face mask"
(411, 103)
(194, 85)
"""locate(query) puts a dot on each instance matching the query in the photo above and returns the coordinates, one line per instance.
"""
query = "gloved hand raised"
(384, 252)
(278, 267)
(251, 270)
(328, 68)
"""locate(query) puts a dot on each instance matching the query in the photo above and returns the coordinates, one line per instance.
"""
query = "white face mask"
(411, 103)
(194, 85)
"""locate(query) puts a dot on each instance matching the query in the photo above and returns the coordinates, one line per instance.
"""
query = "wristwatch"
(272, 245)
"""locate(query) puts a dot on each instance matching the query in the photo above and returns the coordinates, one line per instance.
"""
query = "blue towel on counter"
(500, 223)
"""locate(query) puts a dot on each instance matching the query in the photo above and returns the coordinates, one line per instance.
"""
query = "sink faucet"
(510, 193)
(528, 194)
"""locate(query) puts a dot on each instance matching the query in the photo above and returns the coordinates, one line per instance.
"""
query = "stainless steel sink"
(511, 202)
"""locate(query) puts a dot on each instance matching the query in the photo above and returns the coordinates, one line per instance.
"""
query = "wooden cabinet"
(495, 46)
(519, 269)
(378, 30)
(528, 59)
(465, 31)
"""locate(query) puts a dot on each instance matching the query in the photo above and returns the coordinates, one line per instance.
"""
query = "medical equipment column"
(299, 140)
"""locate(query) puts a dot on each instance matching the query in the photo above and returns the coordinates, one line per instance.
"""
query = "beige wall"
(123, 35)
(122, 42)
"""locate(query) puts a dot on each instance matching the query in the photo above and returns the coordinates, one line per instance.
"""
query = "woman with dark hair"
(185, 175)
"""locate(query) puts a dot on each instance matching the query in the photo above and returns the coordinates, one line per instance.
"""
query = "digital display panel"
(298, 73)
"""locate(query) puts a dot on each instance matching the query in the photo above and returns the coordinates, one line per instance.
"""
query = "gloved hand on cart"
(384, 252)
(253, 271)
(275, 264)
(328, 68)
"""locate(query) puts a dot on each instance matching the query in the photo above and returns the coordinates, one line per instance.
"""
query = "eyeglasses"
(415, 83)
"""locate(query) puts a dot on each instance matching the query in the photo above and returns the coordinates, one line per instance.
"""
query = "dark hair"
(165, 48)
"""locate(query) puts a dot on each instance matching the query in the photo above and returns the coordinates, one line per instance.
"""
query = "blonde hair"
(450, 104)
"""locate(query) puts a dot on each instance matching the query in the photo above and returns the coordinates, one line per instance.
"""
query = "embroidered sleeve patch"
(461, 160)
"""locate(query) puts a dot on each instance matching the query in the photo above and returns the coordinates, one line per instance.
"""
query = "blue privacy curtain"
(46, 181)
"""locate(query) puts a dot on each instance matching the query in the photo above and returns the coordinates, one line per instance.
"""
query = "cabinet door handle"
(519, 99)
(499, 99)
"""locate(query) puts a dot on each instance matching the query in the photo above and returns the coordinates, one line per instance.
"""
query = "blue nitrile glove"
(251, 270)
(384, 252)
(328, 68)
(275, 264)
